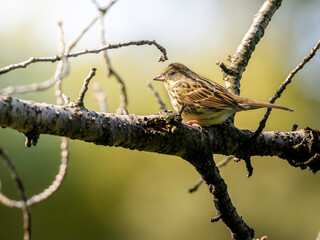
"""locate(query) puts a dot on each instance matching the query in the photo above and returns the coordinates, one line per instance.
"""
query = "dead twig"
(283, 86)
(162, 105)
(22, 193)
(55, 58)
(101, 96)
(79, 101)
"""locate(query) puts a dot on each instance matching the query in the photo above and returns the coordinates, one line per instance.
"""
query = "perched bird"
(202, 101)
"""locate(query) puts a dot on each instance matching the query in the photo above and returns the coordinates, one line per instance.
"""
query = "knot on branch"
(307, 152)
(32, 137)
(226, 69)
(166, 121)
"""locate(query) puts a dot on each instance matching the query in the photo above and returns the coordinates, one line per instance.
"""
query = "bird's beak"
(160, 77)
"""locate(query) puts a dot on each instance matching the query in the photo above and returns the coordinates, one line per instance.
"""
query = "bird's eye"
(171, 73)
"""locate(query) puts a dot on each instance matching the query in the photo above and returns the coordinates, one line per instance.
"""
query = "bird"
(202, 101)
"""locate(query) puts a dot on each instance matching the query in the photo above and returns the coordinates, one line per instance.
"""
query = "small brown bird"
(202, 101)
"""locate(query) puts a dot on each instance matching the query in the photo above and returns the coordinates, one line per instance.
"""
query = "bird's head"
(173, 73)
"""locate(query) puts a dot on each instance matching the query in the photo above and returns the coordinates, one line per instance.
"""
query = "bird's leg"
(191, 122)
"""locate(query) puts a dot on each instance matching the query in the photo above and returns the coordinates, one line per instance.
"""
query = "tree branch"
(284, 84)
(225, 210)
(22, 192)
(241, 58)
(55, 58)
(161, 133)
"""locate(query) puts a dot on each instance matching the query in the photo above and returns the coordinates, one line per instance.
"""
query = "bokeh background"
(114, 193)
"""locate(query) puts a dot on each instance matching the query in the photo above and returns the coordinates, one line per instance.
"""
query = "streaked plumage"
(201, 100)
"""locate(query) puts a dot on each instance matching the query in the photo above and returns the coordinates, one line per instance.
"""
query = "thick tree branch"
(161, 133)
(202, 160)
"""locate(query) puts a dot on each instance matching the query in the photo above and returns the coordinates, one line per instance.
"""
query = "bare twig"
(60, 67)
(79, 101)
(48, 191)
(56, 79)
(100, 95)
(249, 166)
(196, 186)
(58, 74)
(224, 68)
(73, 43)
(283, 86)
(50, 82)
(162, 105)
(51, 189)
(55, 58)
(109, 69)
(225, 161)
(215, 219)
(60, 98)
(64, 145)
(22, 193)
(58, 178)
(105, 8)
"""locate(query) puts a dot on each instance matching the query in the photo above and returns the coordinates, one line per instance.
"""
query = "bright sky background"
(182, 25)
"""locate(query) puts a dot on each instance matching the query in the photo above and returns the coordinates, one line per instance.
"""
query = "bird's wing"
(210, 94)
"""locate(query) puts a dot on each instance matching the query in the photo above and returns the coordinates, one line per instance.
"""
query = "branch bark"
(161, 133)
(240, 59)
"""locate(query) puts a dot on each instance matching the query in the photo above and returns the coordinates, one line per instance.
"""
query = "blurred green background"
(114, 193)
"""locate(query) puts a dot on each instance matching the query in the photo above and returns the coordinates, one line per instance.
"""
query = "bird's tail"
(254, 105)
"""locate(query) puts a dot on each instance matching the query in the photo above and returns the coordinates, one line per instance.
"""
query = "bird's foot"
(193, 123)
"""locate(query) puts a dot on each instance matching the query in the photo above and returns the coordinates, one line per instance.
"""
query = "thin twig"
(215, 219)
(64, 144)
(57, 76)
(73, 43)
(50, 82)
(101, 96)
(162, 105)
(196, 186)
(225, 161)
(49, 190)
(60, 99)
(79, 101)
(55, 58)
(283, 86)
(22, 193)
(62, 71)
(111, 72)
(55, 185)
(105, 8)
